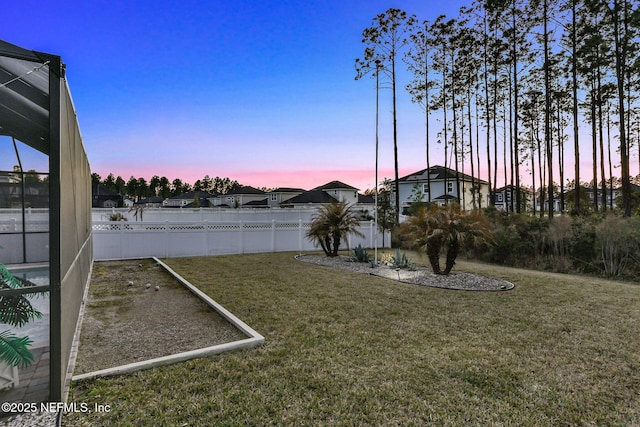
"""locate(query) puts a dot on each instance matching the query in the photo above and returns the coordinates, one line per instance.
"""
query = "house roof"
(25, 102)
(445, 197)
(257, 203)
(287, 190)
(438, 173)
(152, 199)
(335, 185)
(312, 196)
(366, 198)
(245, 190)
(192, 194)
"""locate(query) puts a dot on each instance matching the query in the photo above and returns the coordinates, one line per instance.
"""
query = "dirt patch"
(127, 319)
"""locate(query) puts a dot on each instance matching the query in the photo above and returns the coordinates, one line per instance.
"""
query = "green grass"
(350, 349)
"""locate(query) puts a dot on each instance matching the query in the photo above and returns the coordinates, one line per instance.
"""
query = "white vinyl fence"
(117, 240)
(28, 242)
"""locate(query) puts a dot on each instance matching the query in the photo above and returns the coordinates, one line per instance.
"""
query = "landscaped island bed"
(343, 348)
(458, 280)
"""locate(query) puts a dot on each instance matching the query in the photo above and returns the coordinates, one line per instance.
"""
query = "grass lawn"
(350, 349)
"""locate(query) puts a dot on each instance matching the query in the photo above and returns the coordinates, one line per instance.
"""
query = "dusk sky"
(262, 92)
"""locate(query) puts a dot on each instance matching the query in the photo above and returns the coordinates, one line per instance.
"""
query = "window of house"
(425, 190)
(499, 196)
(449, 187)
(274, 197)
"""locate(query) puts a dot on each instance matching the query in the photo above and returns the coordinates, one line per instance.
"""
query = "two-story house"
(340, 191)
(331, 192)
(441, 186)
(504, 199)
(242, 196)
(102, 197)
(187, 200)
(280, 195)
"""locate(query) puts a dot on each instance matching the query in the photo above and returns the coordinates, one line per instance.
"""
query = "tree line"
(139, 188)
(515, 83)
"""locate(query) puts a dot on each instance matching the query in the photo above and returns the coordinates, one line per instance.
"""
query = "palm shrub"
(332, 224)
(447, 230)
(15, 310)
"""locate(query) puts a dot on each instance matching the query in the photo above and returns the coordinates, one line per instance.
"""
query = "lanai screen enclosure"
(45, 215)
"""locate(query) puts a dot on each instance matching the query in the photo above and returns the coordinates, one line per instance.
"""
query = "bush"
(400, 260)
(519, 239)
(619, 244)
(117, 217)
(581, 247)
(361, 254)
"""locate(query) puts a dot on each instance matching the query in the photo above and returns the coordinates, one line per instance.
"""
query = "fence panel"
(117, 240)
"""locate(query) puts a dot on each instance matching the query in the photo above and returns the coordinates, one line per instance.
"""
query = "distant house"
(187, 200)
(310, 197)
(441, 186)
(505, 199)
(239, 197)
(151, 202)
(340, 191)
(613, 198)
(281, 195)
(102, 197)
(334, 192)
(367, 206)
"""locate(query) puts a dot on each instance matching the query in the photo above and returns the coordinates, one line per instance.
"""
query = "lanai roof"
(24, 86)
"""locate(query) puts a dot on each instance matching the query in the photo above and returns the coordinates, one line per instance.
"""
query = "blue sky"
(262, 92)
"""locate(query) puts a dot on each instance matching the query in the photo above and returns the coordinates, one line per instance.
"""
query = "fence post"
(241, 233)
(166, 238)
(300, 235)
(273, 235)
(121, 228)
(205, 243)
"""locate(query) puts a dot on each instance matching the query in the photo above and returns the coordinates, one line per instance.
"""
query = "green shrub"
(519, 239)
(361, 254)
(581, 247)
(619, 243)
(400, 260)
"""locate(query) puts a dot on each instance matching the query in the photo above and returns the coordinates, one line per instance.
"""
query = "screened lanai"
(45, 212)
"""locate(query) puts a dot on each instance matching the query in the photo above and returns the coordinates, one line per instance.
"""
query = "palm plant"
(332, 224)
(15, 310)
(446, 229)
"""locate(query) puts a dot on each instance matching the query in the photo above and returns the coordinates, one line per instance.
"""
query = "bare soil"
(127, 320)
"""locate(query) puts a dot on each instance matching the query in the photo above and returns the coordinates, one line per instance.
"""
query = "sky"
(262, 92)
